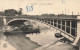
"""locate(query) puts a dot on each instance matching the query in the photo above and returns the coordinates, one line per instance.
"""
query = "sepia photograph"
(39, 25)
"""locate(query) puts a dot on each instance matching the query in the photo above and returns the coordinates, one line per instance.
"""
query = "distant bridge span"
(68, 25)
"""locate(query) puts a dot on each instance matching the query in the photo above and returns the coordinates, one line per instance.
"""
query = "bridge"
(68, 25)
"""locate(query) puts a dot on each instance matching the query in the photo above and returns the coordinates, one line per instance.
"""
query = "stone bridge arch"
(16, 19)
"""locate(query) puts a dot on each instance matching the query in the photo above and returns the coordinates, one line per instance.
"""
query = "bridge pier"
(4, 20)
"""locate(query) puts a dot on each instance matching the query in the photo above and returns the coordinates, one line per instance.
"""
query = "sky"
(42, 6)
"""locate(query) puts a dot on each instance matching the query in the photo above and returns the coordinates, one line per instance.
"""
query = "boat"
(26, 29)
(30, 29)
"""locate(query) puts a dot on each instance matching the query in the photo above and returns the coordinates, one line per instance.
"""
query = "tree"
(20, 11)
(10, 12)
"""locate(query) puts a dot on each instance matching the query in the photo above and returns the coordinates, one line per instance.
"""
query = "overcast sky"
(43, 6)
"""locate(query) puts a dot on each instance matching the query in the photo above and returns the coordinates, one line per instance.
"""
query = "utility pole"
(62, 12)
(65, 11)
(68, 11)
(78, 13)
(72, 12)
